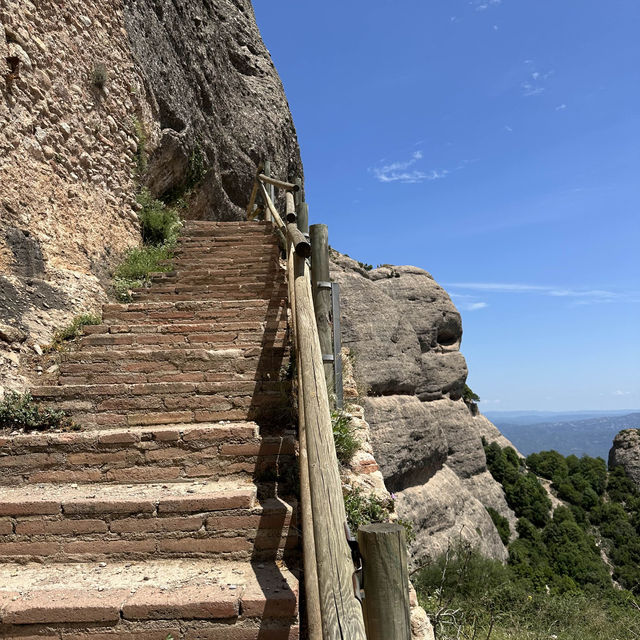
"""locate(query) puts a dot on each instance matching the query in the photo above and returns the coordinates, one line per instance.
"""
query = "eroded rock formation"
(87, 89)
(625, 452)
(404, 333)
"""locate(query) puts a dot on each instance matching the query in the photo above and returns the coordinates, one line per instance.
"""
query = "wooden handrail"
(333, 611)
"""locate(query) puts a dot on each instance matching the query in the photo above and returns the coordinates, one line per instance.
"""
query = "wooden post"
(270, 190)
(302, 210)
(386, 581)
(321, 288)
(341, 612)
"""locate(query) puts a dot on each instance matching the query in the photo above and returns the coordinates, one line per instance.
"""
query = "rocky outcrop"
(625, 452)
(404, 335)
(89, 92)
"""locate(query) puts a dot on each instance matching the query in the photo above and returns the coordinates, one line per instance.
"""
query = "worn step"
(166, 402)
(187, 339)
(236, 326)
(195, 311)
(260, 288)
(156, 453)
(195, 599)
(62, 523)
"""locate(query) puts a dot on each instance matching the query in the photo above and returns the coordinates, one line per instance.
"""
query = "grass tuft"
(72, 331)
(346, 443)
(20, 411)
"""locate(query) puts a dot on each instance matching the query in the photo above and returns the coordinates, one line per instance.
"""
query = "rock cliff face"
(625, 452)
(86, 89)
(404, 333)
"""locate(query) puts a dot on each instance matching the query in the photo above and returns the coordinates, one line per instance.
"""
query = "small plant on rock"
(72, 331)
(20, 411)
(99, 75)
(362, 509)
(346, 443)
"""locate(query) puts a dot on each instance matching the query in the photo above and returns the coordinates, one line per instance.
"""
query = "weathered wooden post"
(386, 581)
(270, 190)
(302, 209)
(321, 287)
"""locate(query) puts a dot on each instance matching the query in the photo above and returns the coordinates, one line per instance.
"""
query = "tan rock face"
(78, 81)
(405, 335)
(626, 453)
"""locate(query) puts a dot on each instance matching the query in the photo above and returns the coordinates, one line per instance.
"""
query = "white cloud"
(530, 89)
(508, 129)
(561, 107)
(579, 296)
(621, 393)
(406, 173)
(483, 5)
(533, 85)
(473, 306)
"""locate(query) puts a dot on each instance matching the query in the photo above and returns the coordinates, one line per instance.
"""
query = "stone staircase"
(169, 514)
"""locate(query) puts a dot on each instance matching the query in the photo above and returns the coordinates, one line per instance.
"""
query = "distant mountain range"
(577, 432)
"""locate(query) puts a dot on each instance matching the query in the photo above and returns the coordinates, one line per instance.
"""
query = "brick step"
(195, 599)
(177, 328)
(213, 276)
(80, 522)
(157, 453)
(194, 311)
(235, 242)
(259, 289)
(195, 296)
(245, 265)
(232, 360)
(224, 269)
(74, 374)
(194, 339)
(219, 400)
(233, 250)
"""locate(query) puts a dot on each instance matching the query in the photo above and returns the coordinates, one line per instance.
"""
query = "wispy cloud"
(406, 171)
(483, 5)
(619, 392)
(534, 83)
(473, 306)
(561, 107)
(579, 296)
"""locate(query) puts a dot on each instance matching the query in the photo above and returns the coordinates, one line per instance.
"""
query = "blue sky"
(496, 144)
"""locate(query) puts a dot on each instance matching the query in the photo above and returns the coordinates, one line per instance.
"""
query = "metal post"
(321, 287)
(337, 343)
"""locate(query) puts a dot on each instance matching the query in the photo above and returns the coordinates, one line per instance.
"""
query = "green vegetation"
(362, 509)
(469, 597)
(557, 583)
(20, 411)
(141, 157)
(364, 265)
(346, 443)
(160, 226)
(469, 396)
(72, 331)
(501, 523)
(99, 75)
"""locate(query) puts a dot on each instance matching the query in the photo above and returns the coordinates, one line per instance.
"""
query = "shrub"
(346, 443)
(72, 331)
(363, 509)
(501, 524)
(159, 224)
(19, 411)
(469, 396)
(99, 75)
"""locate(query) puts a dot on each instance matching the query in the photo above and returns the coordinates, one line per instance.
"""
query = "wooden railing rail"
(333, 611)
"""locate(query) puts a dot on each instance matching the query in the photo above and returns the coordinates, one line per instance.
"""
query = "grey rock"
(212, 81)
(11, 334)
(410, 446)
(625, 452)
(444, 512)
(404, 333)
